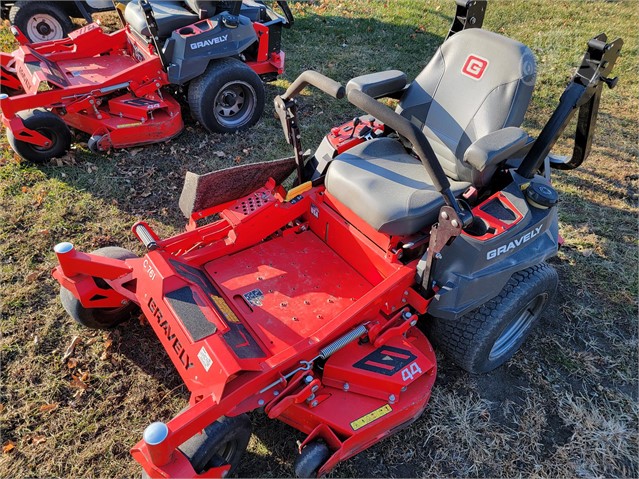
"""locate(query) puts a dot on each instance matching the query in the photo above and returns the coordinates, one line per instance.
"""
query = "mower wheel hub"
(234, 103)
(44, 27)
(511, 335)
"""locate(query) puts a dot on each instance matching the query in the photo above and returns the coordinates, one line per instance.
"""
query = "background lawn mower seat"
(169, 15)
(469, 101)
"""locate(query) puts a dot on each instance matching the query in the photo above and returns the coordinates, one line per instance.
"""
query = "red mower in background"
(305, 304)
(120, 87)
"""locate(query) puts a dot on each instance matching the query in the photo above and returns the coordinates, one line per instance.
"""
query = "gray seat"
(386, 187)
(469, 102)
(169, 15)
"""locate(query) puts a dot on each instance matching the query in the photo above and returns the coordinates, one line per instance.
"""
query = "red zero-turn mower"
(304, 304)
(119, 87)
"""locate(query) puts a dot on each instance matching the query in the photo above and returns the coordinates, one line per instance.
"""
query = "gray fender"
(475, 272)
(188, 55)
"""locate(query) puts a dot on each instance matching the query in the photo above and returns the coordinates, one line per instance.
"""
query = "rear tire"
(228, 97)
(99, 318)
(47, 124)
(490, 335)
(41, 21)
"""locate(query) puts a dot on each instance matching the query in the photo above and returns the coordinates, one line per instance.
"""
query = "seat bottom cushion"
(386, 187)
(168, 15)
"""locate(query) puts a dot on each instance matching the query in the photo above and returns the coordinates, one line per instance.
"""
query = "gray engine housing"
(476, 271)
(188, 54)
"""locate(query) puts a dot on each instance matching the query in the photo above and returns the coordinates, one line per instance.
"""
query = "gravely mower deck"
(304, 304)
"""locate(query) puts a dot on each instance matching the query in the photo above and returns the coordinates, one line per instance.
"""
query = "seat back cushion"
(476, 83)
(169, 16)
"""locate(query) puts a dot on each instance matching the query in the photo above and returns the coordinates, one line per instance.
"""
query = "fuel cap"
(541, 195)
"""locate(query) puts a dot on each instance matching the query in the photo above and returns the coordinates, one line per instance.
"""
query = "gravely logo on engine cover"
(210, 42)
(493, 253)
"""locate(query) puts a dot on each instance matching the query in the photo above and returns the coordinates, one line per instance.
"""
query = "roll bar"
(583, 93)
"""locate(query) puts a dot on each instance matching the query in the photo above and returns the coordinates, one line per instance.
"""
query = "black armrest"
(380, 84)
(495, 147)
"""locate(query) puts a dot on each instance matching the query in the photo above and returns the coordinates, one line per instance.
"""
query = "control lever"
(356, 121)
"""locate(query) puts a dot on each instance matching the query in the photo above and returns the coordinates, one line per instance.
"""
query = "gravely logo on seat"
(493, 253)
(475, 67)
(210, 42)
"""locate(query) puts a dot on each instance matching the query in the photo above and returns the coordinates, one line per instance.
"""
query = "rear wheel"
(41, 21)
(487, 337)
(48, 125)
(228, 97)
(99, 318)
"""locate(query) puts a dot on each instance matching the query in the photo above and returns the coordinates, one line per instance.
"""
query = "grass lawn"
(566, 405)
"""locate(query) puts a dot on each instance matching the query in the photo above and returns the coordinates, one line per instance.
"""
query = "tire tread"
(459, 339)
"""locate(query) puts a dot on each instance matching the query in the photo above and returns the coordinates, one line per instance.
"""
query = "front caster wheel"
(490, 335)
(222, 442)
(99, 318)
(311, 459)
(48, 125)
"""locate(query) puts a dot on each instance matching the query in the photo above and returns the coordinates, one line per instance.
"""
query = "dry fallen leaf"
(8, 446)
(39, 439)
(1, 407)
(78, 383)
(72, 363)
(31, 277)
(49, 407)
(71, 348)
(85, 376)
(107, 350)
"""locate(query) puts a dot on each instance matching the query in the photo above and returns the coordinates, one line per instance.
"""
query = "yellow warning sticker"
(371, 416)
(224, 309)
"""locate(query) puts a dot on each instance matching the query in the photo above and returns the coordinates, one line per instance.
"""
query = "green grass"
(566, 405)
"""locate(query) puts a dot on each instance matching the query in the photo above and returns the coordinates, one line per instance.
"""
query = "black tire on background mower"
(490, 335)
(99, 318)
(228, 97)
(311, 459)
(41, 21)
(222, 442)
(49, 125)
(10, 91)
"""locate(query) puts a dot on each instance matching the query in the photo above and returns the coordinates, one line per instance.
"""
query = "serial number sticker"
(255, 297)
(205, 359)
(370, 417)
(314, 210)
